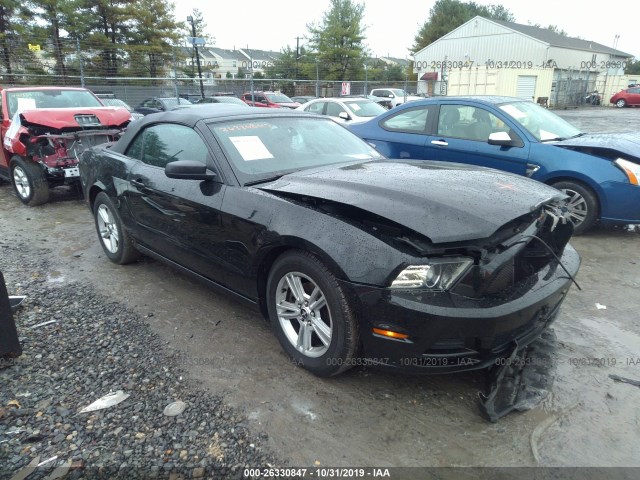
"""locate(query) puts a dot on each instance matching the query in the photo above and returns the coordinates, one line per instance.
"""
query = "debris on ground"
(600, 306)
(522, 380)
(102, 346)
(109, 400)
(630, 381)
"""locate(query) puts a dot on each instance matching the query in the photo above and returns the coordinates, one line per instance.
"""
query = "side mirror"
(504, 140)
(188, 170)
(390, 96)
(344, 116)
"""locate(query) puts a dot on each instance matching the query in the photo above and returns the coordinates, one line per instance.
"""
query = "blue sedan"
(599, 172)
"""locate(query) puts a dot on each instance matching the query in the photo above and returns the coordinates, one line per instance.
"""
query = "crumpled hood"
(627, 143)
(65, 118)
(445, 202)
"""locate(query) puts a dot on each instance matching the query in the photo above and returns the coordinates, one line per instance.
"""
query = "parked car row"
(381, 247)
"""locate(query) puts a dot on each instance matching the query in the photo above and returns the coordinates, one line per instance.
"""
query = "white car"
(397, 96)
(344, 110)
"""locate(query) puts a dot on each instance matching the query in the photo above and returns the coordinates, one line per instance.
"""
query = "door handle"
(442, 143)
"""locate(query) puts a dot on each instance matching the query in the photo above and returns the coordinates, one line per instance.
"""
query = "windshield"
(278, 98)
(365, 108)
(172, 102)
(267, 147)
(116, 102)
(399, 92)
(540, 122)
(50, 98)
(233, 100)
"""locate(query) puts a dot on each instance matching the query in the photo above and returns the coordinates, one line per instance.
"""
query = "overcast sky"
(392, 25)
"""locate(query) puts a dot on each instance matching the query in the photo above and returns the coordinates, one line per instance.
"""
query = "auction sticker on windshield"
(251, 148)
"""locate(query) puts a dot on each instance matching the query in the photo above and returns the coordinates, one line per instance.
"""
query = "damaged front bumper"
(448, 332)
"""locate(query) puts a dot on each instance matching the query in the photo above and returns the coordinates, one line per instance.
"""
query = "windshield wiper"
(554, 139)
(263, 180)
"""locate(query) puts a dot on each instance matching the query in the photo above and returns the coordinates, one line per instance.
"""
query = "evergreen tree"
(338, 40)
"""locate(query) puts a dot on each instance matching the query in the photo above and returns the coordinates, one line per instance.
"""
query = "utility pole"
(365, 78)
(80, 61)
(297, 55)
(193, 30)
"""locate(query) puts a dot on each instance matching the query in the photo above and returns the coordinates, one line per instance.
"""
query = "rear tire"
(621, 103)
(583, 205)
(310, 314)
(29, 182)
(115, 240)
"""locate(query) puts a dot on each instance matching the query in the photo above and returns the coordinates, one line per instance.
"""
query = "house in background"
(257, 61)
(491, 57)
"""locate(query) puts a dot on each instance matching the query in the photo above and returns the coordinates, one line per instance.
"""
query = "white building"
(493, 57)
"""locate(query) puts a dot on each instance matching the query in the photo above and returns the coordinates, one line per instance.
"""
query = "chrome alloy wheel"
(303, 314)
(21, 182)
(108, 229)
(576, 206)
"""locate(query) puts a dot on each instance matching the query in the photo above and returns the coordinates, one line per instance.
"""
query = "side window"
(469, 123)
(148, 103)
(164, 143)
(333, 109)
(135, 147)
(317, 107)
(260, 98)
(412, 121)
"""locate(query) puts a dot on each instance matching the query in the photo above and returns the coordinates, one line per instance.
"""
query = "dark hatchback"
(429, 266)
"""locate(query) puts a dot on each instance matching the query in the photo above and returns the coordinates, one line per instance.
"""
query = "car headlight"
(438, 275)
(631, 169)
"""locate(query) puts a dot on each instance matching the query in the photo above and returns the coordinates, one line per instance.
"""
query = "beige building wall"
(483, 81)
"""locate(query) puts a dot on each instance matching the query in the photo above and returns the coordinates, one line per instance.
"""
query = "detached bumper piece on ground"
(522, 380)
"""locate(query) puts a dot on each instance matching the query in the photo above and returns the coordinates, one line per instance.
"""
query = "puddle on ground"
(614, 334)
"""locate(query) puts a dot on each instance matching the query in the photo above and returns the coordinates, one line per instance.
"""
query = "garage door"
(526, 87)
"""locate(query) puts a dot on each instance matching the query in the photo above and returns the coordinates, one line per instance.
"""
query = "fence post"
(79, 53)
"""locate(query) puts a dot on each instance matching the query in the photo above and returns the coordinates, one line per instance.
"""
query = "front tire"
(310, 314)
(621, 103)
(29, 182)
(582, 206)
(115, 240)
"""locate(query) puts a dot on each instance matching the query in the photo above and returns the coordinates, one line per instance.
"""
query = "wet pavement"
(366, 417)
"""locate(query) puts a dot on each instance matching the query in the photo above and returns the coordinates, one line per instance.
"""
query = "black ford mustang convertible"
(432, 267)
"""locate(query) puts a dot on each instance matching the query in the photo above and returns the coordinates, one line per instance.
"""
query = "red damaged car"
(44, 130)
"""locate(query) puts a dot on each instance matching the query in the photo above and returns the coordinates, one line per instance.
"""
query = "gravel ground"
(94, 347)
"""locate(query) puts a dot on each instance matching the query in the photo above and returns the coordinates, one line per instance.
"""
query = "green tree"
(633, 67)
(338, 40)
(15, 18)
(447, 15)
(55, 18)
(107, 28)
(287, 64)
(153, 35)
